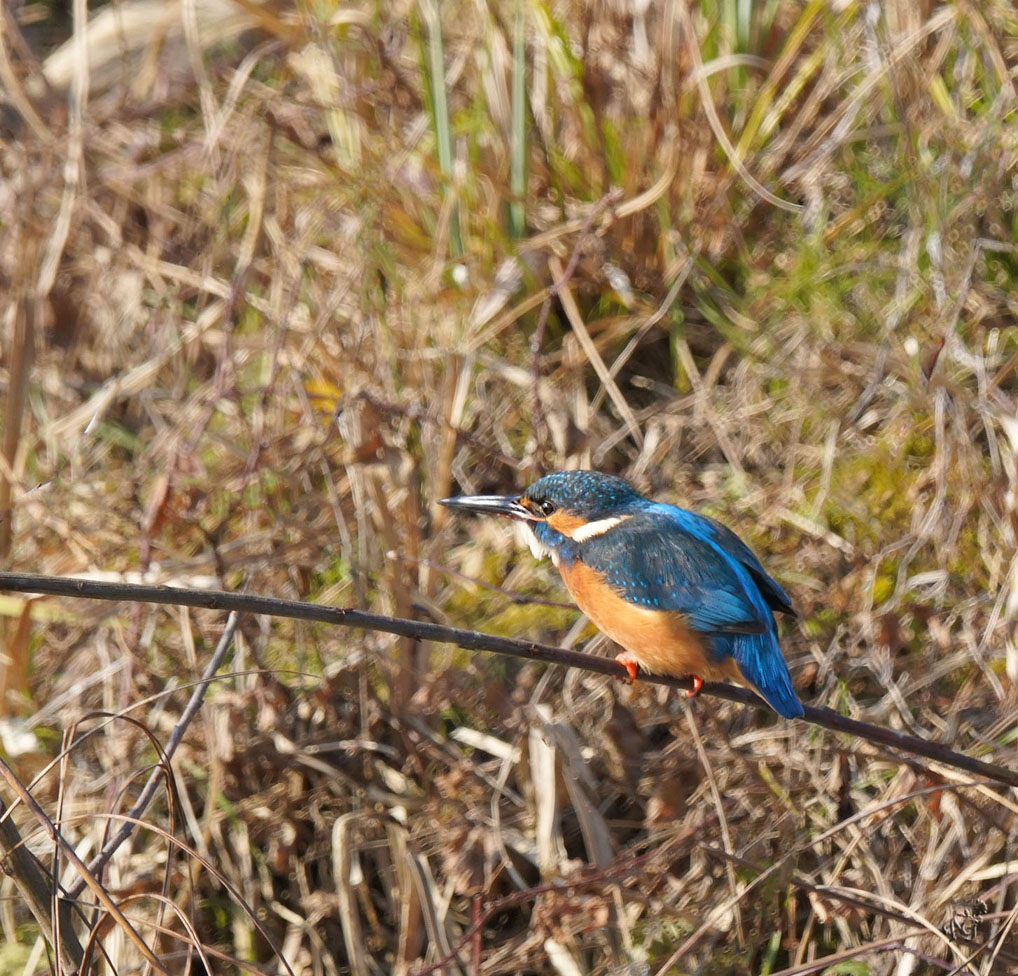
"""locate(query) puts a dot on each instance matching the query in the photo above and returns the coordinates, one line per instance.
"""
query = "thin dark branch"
(474, 641)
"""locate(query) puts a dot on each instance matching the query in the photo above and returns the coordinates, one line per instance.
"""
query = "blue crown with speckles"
(587, 493)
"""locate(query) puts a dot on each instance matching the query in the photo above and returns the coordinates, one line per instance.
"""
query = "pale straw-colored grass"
(273, 275)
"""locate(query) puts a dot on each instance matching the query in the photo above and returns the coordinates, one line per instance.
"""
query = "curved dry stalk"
(102, 896)
(24, 870)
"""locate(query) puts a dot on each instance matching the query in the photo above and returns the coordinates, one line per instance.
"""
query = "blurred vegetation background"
(275, 277)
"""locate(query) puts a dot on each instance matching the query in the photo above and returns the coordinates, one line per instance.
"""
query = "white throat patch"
(537, 547)
(593, 529)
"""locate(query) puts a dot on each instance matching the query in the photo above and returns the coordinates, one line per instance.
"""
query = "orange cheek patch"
(565, 523)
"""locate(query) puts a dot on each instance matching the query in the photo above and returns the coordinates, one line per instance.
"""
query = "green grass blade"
(440, 112)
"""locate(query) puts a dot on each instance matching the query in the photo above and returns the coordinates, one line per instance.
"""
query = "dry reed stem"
(250, 320)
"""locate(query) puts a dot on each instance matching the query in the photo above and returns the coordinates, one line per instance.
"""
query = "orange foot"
(697, 685)
(629, 663)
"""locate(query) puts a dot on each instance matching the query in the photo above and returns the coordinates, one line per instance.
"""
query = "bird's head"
(567, 505)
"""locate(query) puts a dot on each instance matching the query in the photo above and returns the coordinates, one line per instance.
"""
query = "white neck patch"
(537, 547)
(593, 529)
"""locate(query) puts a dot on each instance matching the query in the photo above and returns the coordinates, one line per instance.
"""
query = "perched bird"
(682, 594)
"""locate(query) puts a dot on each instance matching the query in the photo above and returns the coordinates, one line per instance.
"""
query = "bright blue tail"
(760, 660)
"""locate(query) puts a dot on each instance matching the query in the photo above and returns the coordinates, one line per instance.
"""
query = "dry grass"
(258, 263)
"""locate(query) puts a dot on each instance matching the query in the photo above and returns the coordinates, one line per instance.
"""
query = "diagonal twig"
(149, 791)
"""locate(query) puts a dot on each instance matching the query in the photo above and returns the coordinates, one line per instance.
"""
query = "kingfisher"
(680, 593)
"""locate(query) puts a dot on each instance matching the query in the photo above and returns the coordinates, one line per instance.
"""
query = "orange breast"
(659, 639)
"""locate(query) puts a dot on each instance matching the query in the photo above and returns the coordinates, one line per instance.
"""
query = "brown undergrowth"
(275, 279)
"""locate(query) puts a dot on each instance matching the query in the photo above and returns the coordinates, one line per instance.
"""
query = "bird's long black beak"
(506, 505)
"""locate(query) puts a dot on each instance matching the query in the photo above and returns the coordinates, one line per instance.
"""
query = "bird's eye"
(546, 507)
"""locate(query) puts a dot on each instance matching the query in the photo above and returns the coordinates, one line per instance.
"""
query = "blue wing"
(695, 566)
(726, 540)
(683, 564)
